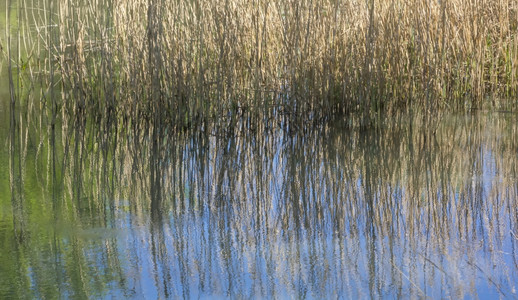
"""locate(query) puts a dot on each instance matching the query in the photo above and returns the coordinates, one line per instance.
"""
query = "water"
(94, 209)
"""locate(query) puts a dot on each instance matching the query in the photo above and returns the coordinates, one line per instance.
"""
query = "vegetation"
(97, 208)
(187, 63)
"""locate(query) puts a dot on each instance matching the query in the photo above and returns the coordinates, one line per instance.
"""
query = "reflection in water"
(111, 209)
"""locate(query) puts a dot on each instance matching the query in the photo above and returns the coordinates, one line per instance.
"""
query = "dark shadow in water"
(15, 175)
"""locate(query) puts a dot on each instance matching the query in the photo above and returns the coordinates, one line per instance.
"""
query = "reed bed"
(191, 62)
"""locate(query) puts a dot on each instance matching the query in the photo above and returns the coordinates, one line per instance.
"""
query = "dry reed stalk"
(194, 62)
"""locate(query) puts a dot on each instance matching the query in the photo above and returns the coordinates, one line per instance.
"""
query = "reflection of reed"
(401, 211)
(294, 198)
(15, 175)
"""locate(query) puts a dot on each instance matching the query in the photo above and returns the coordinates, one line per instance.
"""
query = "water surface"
(98, 208)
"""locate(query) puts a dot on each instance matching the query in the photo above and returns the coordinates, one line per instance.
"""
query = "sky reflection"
(393, 213)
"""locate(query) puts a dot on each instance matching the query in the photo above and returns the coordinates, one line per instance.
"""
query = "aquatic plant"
(188, 63)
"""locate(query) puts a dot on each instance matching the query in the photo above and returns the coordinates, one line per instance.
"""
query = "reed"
(192, 62)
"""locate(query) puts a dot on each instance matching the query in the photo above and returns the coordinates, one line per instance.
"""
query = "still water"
(103, 209)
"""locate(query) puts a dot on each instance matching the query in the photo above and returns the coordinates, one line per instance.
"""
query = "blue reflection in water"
(393, 213)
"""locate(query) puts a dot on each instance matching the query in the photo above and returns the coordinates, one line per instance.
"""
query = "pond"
(99, 209)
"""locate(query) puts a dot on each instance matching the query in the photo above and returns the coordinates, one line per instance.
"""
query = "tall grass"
(191, 62)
